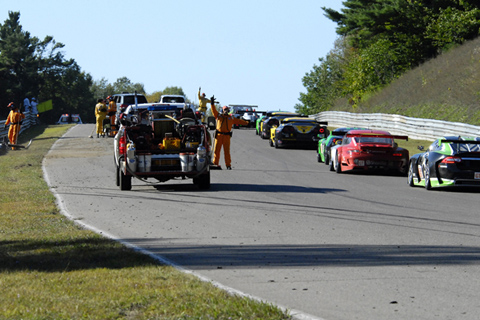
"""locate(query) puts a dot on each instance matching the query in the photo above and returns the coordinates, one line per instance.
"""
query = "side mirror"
(421, 148)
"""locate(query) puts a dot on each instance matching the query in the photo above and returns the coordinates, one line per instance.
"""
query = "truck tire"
(125, 181)
(117, 175)
(203, 181)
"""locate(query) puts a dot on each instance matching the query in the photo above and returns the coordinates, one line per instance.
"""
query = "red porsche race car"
(371, 150)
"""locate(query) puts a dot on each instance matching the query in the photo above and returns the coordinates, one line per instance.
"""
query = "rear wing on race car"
(305, 120)
(459, 141)
(376, 135)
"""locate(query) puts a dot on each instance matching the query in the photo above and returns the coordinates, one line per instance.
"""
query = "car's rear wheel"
(319, 158)
(411, 169)
(426, 174)
(327, 159)
(276, 144)
(331, 165)
(338, 168)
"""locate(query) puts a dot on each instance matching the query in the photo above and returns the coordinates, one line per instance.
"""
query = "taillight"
(288, 129)
(452, 160)
(122, 144)
(397, 154)
(321, 130)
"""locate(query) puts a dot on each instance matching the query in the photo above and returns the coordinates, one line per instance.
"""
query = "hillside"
(445, 88)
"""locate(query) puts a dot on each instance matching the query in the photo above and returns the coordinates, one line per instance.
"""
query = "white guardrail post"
(414, 128)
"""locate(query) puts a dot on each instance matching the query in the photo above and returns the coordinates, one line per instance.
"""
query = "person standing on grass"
(14, 119)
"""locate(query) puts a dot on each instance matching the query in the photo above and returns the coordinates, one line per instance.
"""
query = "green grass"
(52, 269)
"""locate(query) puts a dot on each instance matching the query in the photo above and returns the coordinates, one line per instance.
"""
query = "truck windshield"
(131, 99)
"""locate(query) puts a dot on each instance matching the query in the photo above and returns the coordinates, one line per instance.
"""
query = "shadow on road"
(83, 254)
(247, 256)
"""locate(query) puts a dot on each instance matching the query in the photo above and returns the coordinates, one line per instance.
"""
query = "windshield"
(173, 100)
(373, 140)
(131, 99)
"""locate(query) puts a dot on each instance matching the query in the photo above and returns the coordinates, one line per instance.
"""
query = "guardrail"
(414, 128)
(29, 121)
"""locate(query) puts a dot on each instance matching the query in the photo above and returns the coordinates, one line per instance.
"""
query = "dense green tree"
(324, 82)
(30, 67)
(18, 65)
(384, 38)
(173, 90)
(124, 84)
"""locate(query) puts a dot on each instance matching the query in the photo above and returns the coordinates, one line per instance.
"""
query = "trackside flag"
(44, 106)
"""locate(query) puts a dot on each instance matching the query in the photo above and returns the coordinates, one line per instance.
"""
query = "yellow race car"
(297, 132)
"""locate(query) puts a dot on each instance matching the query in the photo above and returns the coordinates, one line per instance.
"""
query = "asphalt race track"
(282, 227)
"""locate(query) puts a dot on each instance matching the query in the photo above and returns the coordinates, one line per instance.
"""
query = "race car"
(246, 113)
(299, 132)
(324, 144)
(333, 154)
(272, 119)
(449, 161)
(371, 150)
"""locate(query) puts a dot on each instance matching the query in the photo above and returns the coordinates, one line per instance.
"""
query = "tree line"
(30, 67)
(379, 40)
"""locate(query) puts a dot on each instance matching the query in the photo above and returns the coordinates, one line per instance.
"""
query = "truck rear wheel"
(125, 181)
(117, 175)
(203, 181)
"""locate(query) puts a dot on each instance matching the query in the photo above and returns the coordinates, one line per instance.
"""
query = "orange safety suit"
(100, 115)
(202, 105)
(223, 133)
(112, 110)
(14, 118)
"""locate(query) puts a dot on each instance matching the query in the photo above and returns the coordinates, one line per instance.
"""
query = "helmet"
(11, 105)
(109, 97)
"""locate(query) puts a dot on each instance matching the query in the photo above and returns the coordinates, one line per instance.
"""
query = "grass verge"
(52, 269)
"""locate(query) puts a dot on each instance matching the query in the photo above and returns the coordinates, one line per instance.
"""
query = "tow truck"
(162, 141)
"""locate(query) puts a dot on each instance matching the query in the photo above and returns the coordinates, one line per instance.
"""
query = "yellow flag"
(44, 106)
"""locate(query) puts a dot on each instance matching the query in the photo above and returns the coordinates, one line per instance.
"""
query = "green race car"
(324, 145)
(448, 162)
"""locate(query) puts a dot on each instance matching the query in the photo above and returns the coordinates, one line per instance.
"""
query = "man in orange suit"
(223, 133)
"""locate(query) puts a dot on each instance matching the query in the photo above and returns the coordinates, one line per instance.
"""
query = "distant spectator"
(34, 110)
(26, 104)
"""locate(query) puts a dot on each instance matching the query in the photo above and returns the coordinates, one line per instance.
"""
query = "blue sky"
(244, 52)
